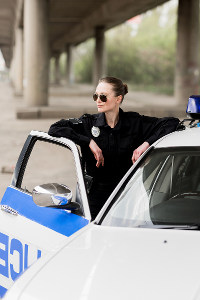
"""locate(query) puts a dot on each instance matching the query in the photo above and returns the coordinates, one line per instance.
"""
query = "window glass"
(165, 189)
(49, 163)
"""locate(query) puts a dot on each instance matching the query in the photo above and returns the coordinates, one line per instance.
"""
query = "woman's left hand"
(138, 152)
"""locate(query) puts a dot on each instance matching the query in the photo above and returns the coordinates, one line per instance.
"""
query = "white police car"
(35, 215)
(144, 244)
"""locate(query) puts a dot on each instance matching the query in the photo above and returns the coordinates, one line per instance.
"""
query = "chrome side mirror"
(54, 195)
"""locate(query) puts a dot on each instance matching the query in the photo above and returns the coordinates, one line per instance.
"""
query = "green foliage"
(52, 69)
(145, 58)
(62, 64)
(84, 62)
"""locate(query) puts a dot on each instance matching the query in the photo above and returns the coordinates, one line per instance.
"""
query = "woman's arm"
(138, 152)
(152, 130)
(98, 155)
(72, 129)
(155, 128)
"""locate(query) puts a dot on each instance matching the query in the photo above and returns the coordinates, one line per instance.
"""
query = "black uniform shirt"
(117, 144)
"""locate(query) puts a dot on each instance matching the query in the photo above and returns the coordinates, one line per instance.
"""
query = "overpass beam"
(70, 64)
(36, 52)
(18, 62)
(187, 56)
(99, 59)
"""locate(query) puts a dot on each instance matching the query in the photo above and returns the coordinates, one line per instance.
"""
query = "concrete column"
(18, 62)
(57, 69)
(36, 49)
(99, 58)
(70, 64)
(12, 69)
(187, 56)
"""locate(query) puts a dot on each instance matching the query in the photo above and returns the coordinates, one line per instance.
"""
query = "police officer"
(112, 139)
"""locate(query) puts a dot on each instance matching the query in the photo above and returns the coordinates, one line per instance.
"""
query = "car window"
(164, 189)
(49, 163)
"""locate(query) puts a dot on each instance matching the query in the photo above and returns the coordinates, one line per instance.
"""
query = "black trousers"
(99, 193)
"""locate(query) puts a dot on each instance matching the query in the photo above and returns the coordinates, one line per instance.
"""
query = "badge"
(95, 131)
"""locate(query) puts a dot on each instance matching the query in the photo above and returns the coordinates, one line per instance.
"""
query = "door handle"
(9, 210)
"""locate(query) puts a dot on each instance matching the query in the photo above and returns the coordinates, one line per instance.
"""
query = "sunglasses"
(102, 97)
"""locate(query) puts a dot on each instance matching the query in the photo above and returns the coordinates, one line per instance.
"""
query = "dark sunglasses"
(102, 97)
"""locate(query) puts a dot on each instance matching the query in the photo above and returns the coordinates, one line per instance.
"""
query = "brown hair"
(119, 87)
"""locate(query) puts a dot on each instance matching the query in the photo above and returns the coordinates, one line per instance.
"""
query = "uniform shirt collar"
(101, 120)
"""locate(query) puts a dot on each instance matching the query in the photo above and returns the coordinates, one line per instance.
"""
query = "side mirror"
(54, 195)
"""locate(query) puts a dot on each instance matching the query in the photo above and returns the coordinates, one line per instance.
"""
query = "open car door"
(27, 230)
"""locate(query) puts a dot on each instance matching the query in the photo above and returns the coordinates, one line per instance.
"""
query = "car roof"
(183, 138)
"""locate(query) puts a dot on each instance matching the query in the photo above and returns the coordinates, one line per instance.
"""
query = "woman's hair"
(119, 87)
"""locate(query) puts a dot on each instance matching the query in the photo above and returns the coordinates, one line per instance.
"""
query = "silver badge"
(95, 131)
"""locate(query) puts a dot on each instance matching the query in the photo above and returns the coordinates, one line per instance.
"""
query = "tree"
(145, 57)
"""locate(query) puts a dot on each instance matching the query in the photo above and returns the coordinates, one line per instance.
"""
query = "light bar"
(193, 107)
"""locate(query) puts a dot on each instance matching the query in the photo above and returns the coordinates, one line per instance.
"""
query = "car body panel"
(184, 138)
(28, 231)
(26, 152)
(22, 242)
(59, 220)
(116, 263)
(104, 262)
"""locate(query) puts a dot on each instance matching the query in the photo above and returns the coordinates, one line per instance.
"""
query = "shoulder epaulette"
(89, 116)
(75, 120)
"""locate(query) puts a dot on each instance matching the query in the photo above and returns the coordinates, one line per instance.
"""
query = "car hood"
(118, 263)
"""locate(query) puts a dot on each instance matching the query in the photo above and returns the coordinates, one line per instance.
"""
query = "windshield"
(164, 190)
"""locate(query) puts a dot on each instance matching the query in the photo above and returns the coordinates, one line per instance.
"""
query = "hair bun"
(125, 88)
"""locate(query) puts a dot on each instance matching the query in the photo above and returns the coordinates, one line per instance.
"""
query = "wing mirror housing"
(54, 195)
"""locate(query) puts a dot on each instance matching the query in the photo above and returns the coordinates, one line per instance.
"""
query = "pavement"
(75, 100)
(17, 120)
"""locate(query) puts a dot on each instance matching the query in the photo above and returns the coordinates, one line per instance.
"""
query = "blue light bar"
(193, 107)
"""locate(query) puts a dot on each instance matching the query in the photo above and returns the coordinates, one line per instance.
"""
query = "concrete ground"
(17, 120)
(75, 100)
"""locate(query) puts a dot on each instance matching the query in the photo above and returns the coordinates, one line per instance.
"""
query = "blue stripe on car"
(3, 290)
(58, 220)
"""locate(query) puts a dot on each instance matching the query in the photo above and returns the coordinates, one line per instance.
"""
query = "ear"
(119, 99)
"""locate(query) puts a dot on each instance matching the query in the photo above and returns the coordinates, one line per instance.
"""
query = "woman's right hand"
(97, 153)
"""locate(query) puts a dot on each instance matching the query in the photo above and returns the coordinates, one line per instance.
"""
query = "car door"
(29, 231)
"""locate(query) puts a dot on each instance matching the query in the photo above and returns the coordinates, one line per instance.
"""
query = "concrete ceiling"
(81, 17)
(70, 21)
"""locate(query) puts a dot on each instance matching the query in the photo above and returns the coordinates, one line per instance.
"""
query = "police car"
(144, 243)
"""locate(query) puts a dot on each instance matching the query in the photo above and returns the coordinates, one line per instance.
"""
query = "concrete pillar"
(18, 62)
(99, 58)
(70, 64)
(187, 56)
(36, 49)
(12, 69)
(57, 75)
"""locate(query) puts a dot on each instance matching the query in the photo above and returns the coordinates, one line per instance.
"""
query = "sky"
(164, 18)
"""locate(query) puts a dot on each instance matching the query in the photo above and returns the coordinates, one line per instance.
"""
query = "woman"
(112, 139)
